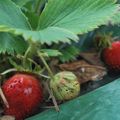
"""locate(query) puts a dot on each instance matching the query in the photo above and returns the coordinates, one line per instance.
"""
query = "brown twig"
(52, 96)
(3, 98)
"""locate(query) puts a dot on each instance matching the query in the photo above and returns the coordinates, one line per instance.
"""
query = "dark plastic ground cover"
(100, 104)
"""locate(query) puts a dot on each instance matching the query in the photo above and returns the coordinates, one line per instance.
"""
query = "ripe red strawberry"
(111, 56)
(23, 93)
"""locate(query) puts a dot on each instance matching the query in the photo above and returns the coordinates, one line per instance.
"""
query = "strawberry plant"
(34, 30)
(52, 22)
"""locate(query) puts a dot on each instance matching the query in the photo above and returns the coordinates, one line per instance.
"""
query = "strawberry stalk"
(33, 47)
(30, 52)
(52, 78)
(46, 65)
(8, 71)
(26, 55)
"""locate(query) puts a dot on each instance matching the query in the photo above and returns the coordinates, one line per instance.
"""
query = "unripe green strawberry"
(65, 86)
(111, 56)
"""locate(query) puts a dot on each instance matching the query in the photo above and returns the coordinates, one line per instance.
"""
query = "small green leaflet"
(69, 53)
(51, 52)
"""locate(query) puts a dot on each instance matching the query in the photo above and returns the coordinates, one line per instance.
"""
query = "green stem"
(26, 55)
(30, 52)
(46, 65)
(8, 71)
(44, 76)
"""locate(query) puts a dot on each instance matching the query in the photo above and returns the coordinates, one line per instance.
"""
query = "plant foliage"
(60, 20)
(11, 44)
(21, 2)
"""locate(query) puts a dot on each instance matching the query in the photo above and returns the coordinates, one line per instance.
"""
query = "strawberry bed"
(102, 103)
(59, 59)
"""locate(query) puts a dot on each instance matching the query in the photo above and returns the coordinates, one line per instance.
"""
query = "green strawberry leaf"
(21, 2)
(11, 44)
(59, 21)
(116, 19)
(69, 53)
(12, 17)
(20, 26)
(78, 16)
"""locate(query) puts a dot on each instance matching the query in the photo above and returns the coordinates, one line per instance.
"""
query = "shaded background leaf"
(69, 53)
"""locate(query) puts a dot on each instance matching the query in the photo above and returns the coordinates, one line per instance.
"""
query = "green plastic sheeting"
(100, 104)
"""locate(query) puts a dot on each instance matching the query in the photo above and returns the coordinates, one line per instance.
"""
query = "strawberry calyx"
(109, 49)
(102, 41)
